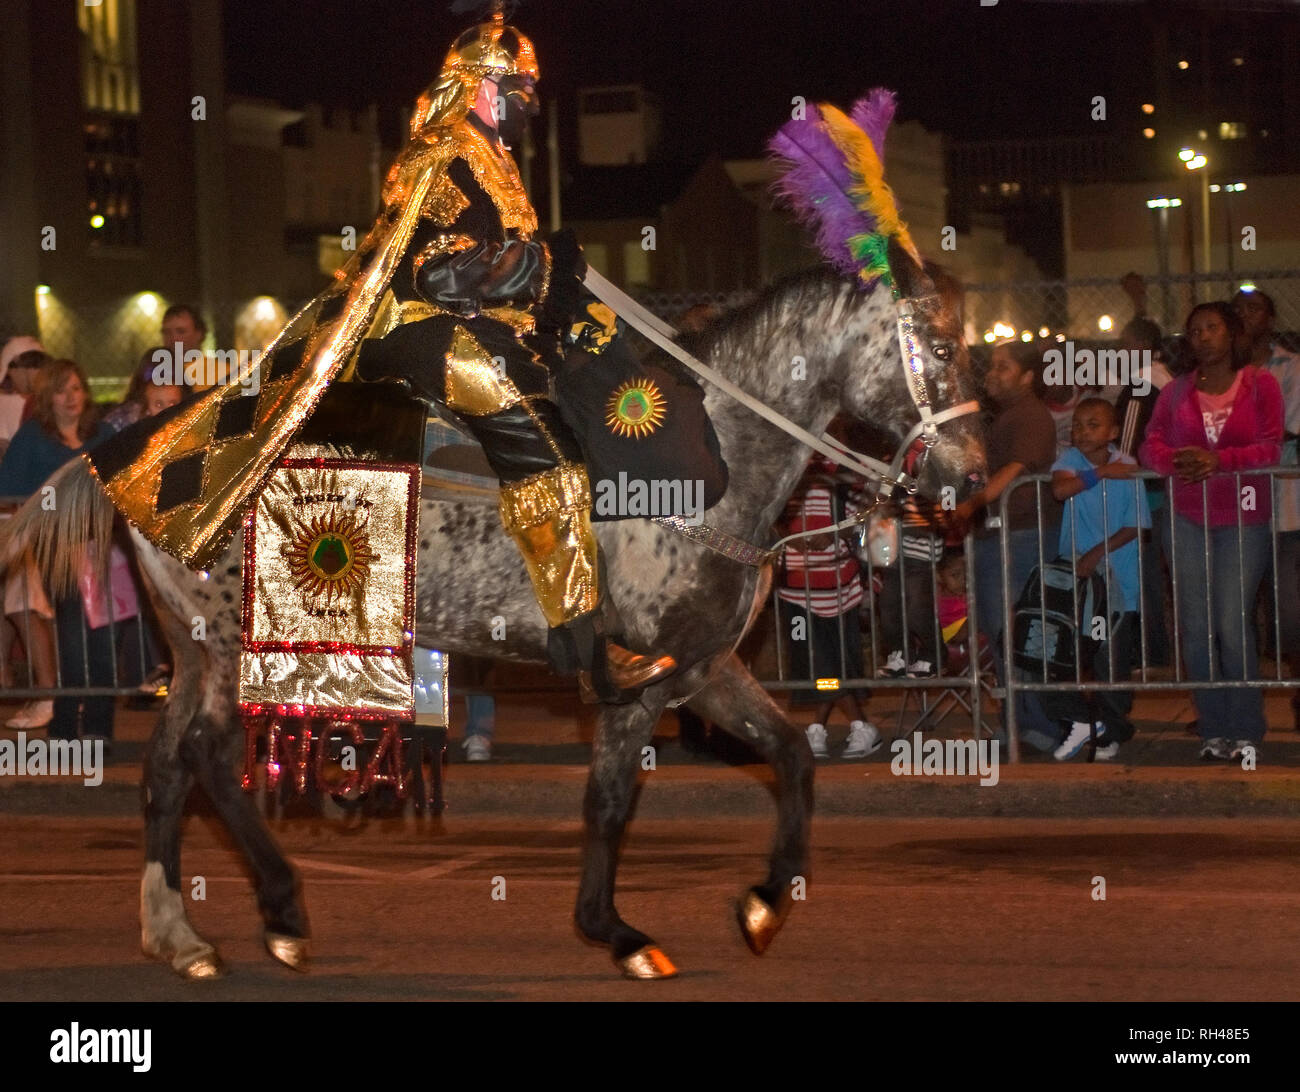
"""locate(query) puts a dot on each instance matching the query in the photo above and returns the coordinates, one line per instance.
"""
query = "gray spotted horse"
(673, 594)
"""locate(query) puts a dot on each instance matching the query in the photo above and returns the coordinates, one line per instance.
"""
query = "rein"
(890, 475)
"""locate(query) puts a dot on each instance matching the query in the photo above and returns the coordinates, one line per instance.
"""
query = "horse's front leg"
(735, 702)
(165, 929)
(621, 732)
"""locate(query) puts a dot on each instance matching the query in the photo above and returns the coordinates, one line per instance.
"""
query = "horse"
(812, 346)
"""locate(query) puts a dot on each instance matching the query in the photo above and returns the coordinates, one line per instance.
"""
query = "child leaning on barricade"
(1104, 514)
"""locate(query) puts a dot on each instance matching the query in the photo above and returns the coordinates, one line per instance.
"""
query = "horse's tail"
(56, 523)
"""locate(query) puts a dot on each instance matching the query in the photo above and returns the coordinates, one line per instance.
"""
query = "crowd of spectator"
(1223, 403)
(103, 628)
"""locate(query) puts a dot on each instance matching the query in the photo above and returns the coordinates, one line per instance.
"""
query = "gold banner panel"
(328, 595)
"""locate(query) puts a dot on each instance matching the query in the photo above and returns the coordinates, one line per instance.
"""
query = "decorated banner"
(328, 594)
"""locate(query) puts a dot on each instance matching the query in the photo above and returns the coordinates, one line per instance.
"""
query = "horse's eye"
(942, 350)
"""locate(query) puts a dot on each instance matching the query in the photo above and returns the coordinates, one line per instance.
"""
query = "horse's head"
(912, 360)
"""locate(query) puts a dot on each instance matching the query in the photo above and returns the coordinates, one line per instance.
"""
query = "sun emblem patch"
(331, 556)
(636, 409)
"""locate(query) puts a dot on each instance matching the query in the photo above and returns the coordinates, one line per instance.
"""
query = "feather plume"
(873, 114)
(833, 179)
(869, 191)
(815, 182)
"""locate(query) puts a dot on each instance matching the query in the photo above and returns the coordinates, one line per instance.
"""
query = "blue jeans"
(482, 710)
(1033, 725)
(1232, 714)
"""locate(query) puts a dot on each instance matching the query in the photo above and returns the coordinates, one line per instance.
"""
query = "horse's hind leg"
(737, 704)
(621, 732)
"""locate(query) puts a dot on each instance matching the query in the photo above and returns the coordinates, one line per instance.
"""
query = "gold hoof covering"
(206, 966)
(647, 962)
(759, 923)
(291, 951)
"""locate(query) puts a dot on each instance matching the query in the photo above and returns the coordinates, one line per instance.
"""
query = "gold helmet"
(492, 51)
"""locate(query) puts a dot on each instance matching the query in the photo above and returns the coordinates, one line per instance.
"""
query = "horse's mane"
(742, 327)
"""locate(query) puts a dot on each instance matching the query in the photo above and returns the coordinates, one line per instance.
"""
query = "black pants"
(1111, 707)
(81, 647)
(915, 578)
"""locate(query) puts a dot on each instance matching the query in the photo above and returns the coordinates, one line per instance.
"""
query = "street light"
(1160, 207)
(1197, 161)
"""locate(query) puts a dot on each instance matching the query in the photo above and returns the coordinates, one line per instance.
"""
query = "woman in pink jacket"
(1208, 426)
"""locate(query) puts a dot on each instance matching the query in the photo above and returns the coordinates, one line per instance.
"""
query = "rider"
(479, 308)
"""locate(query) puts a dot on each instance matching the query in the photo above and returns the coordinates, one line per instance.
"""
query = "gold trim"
(472, 382)
(549, 517)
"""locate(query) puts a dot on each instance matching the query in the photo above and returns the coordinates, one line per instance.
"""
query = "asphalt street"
(896, 909)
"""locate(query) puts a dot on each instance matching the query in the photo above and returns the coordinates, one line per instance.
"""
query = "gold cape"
(230, 451)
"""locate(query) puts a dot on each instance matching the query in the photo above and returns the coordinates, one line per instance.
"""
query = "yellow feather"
(871, 191)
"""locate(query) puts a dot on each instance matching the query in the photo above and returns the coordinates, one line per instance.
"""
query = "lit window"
(1238, 61)
(1148, 133)
(1148, 108)
(1184, 65)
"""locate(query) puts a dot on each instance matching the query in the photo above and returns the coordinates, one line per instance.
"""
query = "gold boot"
(549, 517)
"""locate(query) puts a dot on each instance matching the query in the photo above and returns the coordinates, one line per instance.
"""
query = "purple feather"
(872, 114)
(814, 182)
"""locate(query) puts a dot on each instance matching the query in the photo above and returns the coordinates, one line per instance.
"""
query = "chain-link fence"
(108, 341)
(1097, 308)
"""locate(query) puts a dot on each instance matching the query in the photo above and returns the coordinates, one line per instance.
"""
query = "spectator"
(921, 547)
(62, 427)
(1258, 314)
(132, 406)
(23, 371)
(1133, 413)
(19, 359)
(819, 598)
(1099, 529)
(1022, 440)
(950, 576)
(182, 324)
(13, 400)
(1224, 416)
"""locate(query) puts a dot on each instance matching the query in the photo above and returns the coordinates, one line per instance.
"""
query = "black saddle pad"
(643, 427)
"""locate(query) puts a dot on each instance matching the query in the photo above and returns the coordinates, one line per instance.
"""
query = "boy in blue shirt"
(1104, 514)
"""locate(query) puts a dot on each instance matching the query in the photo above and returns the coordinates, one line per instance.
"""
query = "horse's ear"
(910, 279)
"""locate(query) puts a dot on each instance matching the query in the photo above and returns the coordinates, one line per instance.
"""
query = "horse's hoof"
(759, 922)
(291, 951)
(647, 962)
(205, 966)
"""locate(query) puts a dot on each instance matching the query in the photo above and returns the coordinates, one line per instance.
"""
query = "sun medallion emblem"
(636, 409)
(330, 556)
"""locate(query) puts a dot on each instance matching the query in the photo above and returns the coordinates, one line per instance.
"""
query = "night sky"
(725, 71)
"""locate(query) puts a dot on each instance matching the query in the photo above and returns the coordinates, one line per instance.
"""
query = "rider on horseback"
(478, 310)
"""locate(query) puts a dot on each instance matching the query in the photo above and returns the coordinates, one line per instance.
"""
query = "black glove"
(568, 267)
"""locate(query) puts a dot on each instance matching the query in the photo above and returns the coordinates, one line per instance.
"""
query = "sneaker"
(1239, 749)
(35, 714)
(1075, 740)
(864, 739)
(817, 740)
(477, 748)
(1218, 747)
(920, 669)
(1107, 751)
(895, 667)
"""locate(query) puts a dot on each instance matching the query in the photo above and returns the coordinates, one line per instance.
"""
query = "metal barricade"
(1279, 478)
(842, 674)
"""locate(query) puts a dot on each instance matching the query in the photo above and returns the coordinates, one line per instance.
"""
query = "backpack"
(1046, 626)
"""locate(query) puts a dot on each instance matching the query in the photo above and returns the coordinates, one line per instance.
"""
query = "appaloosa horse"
(673, 595)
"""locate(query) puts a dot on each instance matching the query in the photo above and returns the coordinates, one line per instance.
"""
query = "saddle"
(642, 427)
